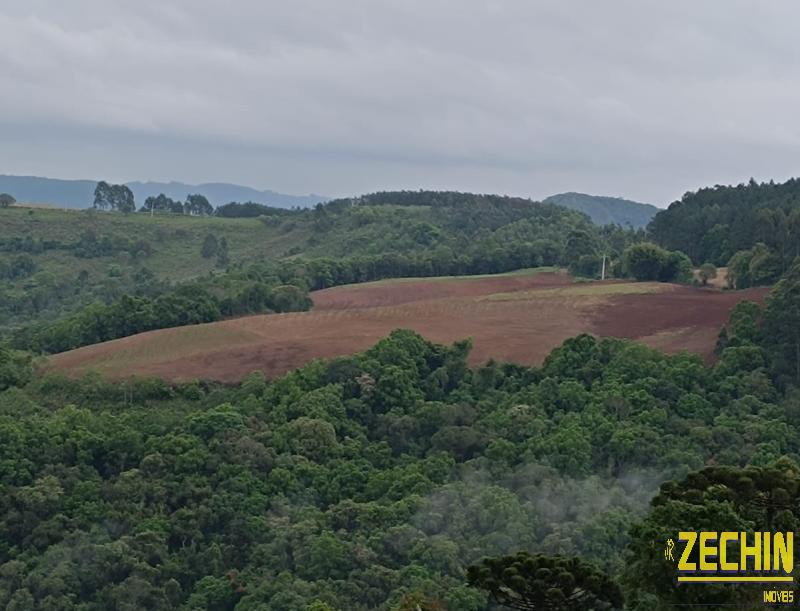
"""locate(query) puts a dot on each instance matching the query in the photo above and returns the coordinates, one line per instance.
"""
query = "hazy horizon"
(306, 194)
(642, 100)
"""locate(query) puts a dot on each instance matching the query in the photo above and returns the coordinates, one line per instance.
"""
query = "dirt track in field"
(518, 318)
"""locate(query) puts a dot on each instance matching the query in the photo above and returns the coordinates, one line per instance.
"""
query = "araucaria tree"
(545, 583)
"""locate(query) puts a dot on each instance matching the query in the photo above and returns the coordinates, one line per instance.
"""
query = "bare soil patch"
(397, 292)
(518, 318)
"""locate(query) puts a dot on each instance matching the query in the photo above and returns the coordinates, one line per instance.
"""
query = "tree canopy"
(753, 227)
(545, 583)
(113, 197)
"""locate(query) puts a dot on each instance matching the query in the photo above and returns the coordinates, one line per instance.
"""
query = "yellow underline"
(733, 578)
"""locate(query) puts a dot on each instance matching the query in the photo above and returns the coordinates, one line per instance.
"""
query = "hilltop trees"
(197, 204)
(249, 210)
(163, 204)
(113, 197)
(719, 224)
(119, 197)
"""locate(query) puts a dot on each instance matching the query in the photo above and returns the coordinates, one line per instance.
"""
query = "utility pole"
(603, 273)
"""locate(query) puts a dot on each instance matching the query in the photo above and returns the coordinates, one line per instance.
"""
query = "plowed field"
(516, 317)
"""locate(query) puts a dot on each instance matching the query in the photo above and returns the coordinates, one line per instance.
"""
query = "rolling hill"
(607, 210)
(518, 317)
(57, 261)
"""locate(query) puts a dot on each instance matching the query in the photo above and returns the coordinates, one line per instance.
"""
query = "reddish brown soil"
(398, 292)
(523, 329)
(683, 318)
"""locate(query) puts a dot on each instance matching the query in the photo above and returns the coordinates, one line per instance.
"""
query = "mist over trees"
(375, 481)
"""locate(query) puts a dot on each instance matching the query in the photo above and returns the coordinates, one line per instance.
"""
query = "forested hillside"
(375, 481)
(56, 263)
(397, 479)
(607, 210)
(752, 228)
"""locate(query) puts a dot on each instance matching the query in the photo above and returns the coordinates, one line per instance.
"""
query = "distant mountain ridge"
(607, 210)
(80, 193)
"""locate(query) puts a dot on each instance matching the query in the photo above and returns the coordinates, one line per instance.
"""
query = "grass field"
(514, 317)
(176, 240)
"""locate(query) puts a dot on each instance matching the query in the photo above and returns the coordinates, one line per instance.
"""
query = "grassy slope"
(176, 240)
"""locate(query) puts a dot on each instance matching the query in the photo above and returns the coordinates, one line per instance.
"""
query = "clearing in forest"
(517, 317)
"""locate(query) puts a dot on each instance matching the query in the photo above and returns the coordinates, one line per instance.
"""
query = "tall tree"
(114, 197)
(197, 204)
(644, 261)
(161, 203)
(102, 196)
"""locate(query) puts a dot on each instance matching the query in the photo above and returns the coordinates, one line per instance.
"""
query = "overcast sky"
(636, 98)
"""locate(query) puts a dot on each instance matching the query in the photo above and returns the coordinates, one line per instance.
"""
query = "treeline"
(120, 198)
(752, 228)
(225, 295)
(88, 245)
(435, 199)
(375, 481)
(462, 230)
(463, 209)
(770, 336)
(249, 210)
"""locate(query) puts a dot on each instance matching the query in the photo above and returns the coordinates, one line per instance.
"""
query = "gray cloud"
(640, 98)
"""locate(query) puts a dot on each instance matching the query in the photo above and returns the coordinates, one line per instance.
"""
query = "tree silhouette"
(541, 583)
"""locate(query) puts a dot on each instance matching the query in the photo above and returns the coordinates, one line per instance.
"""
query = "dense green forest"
(752, 228)
(396, 479)
(376, 481)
